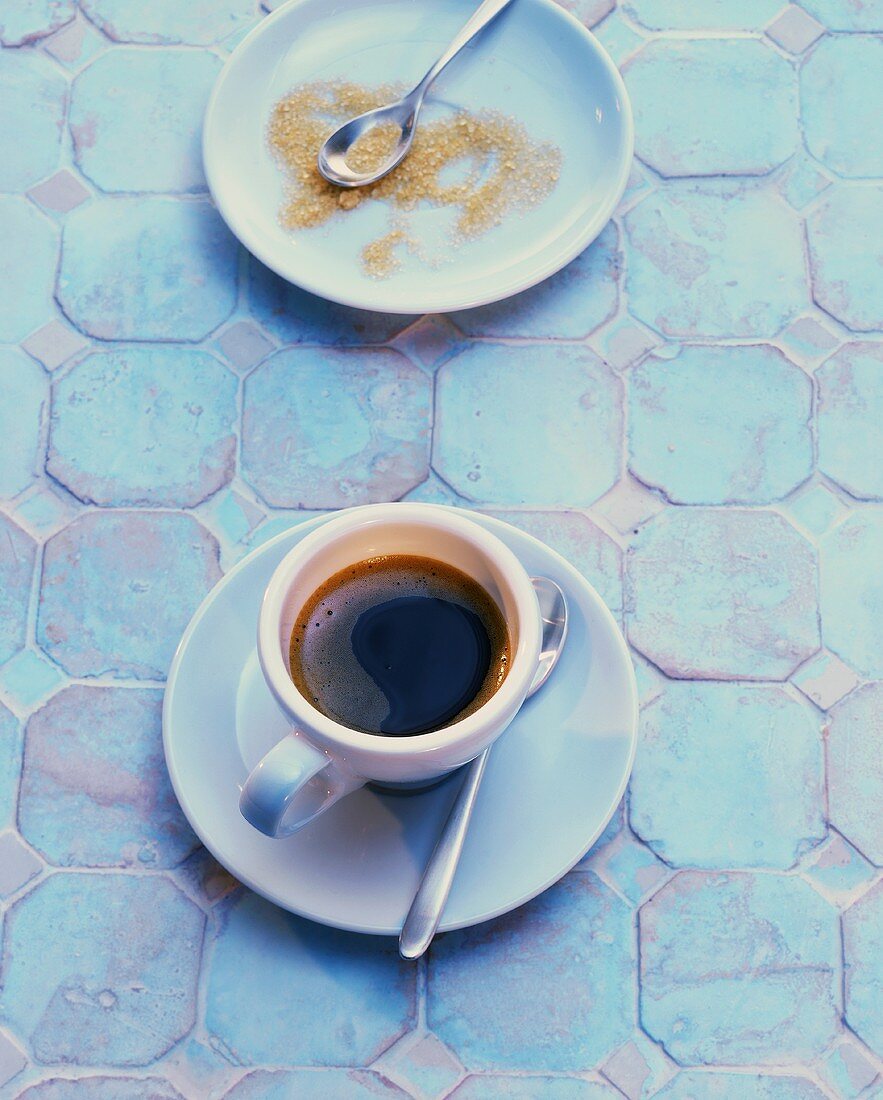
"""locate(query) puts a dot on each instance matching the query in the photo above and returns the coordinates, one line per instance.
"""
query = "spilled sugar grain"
(482, 166)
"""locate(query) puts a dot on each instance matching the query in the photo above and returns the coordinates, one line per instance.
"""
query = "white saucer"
(536, 63)
(553, 780)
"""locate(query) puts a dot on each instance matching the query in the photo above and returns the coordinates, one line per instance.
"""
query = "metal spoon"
(403, 113)
(432, 893)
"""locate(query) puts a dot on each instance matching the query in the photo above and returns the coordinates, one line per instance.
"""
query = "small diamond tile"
(801, 182)
(837, 870)
(45, 511)
(53, 344)
(426, 1066)
(244, 345)
(232, 515)
(794, 30)
(623, 343)
(628, 505)
(629, 866)
(847, 1070)
(651, 682)
(75, 44)
(825, 679)
(816, 508)
(60, 193)
(430, 342)
(618, 37)
(12, 1059)
(28, 678)
(198, 1066)
(638, 1068)
(18, 864)
(805, 341)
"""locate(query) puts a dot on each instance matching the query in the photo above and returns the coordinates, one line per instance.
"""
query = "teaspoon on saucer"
(432, 893)
(402, 114)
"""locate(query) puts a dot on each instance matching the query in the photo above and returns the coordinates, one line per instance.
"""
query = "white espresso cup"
(321, 760)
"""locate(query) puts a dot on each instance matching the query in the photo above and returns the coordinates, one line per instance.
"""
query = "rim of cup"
(333, 735)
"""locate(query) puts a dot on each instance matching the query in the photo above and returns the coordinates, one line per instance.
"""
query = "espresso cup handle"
(291, 785)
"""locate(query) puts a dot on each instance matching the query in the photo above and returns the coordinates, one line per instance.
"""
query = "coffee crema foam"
(462, 621)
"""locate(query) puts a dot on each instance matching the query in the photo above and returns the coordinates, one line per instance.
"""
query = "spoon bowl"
(403, 113)
(332, 156)
(553, 609)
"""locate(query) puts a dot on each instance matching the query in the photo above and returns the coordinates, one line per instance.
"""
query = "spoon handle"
(479, 19)
(432, 893)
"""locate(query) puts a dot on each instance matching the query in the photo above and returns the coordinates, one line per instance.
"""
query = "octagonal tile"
(850, 414)
(17, 553)
(716, 594)
(855, 769)
(851, 596)
(845, 235)
(863, 952)
(147, 269)
(492, 395)
(136, 119)
(24, 387)
(356, 985)
(744, 760)
(324, 429)
(28, 257)
(31, 114)
(94, 789)
(547, 987)
(740, 969)
(144, 426)
(715, 258)
(733, 80)
(119, 588)
(840, 83)
(751, 402)
(91, 974)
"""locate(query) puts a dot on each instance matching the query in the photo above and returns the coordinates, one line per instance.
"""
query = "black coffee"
(399, 645)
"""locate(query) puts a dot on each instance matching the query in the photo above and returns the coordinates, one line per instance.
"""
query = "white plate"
(536, 63)
(553, 779)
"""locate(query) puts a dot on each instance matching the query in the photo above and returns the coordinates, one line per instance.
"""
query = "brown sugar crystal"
(484, 166)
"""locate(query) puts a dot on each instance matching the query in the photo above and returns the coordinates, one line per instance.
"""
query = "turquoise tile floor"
(691, 412)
